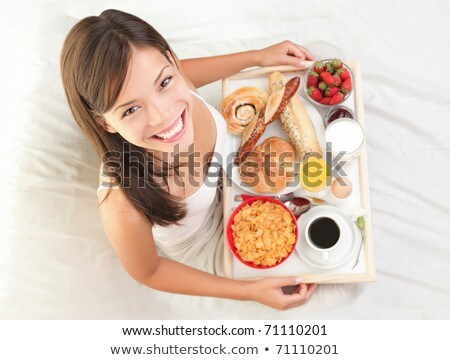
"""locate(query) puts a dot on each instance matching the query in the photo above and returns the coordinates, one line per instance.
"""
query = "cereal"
(263, 233)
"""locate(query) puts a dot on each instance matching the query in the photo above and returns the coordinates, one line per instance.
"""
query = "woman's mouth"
(174, 131)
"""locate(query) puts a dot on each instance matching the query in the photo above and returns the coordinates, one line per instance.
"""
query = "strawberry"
(337, 81)
(318, 67)
(344, 74)
(331, 91)
(346, 86)
(313, 78)
(336, 63)
(322, 86)
(315, 93)
(325, 100)
(337, 98)
(327, 78)
(330, 68)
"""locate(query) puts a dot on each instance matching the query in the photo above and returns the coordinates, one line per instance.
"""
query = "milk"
(345, 135)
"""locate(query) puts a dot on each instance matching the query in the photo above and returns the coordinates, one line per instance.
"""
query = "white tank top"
(198, 203)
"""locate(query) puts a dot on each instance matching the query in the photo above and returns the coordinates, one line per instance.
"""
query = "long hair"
(94, 63)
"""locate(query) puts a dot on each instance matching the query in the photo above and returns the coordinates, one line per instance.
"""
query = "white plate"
(348, 243)
(234, 141)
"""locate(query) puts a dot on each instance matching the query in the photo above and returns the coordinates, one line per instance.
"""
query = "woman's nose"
(156, 116)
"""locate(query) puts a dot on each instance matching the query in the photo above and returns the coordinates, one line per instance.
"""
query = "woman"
(138, 105)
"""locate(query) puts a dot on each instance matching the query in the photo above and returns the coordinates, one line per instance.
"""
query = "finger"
(296, 54)
(286, 281)
(288, 286)
(299, 298)
(311, 289)
(295, 61)
(308, 55)
(294, 50)
(303, 290)
(294, 300)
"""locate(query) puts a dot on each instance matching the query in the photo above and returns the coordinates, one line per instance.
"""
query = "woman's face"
(154, 107)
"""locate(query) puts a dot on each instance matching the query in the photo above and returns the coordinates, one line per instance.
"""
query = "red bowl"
(249, 200)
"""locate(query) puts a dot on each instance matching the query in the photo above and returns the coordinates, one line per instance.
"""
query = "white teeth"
(175, 130)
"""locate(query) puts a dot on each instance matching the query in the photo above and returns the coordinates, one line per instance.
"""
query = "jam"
(298, 201)
(338, 112)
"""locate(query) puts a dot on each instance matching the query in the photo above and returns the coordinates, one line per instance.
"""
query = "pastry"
(269, 167)
(276, 104)
(295, 121)
(241, 107)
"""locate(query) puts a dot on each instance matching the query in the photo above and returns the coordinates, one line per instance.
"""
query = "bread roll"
(269, 167)
(241, 107)
(276, 104)
(295, 120)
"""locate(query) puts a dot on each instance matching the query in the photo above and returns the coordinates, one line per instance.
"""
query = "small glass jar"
(337, 112)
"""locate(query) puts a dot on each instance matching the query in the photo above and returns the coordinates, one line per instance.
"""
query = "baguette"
(295, 121)
(276, 104)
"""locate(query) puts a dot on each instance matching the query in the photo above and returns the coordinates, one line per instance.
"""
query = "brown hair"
(94, 63)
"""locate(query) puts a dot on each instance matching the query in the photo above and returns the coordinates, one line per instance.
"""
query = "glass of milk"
(346, 136)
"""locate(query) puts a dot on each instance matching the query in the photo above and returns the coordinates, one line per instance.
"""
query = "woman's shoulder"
(106, 184)
(114, 202)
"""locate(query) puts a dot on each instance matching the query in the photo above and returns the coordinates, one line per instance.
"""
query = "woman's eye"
(129, 112)
(166, 81)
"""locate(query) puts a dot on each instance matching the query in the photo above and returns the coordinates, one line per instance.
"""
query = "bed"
(55, 260)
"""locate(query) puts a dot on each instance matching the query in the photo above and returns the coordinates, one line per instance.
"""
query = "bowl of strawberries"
(328, 82)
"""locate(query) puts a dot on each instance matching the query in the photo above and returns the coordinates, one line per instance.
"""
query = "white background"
(353, 340)
(55, 261)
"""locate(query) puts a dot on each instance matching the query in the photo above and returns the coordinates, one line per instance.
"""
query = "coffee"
(324, 232)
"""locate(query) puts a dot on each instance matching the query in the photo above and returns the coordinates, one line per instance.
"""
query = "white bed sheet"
(55, 260)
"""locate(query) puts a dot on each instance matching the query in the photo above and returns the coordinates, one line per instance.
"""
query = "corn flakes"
(263, 233)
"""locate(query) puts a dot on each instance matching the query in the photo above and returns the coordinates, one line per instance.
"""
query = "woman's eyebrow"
(160, 73)
(154, 83)
(127, 103)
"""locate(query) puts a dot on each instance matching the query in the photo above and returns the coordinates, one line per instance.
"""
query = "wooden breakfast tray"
(365, 270)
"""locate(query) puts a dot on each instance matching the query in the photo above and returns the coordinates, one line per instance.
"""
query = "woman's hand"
(284, 53)
(268, 292)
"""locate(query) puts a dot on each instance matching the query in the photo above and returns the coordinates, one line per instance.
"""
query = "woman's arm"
(202, 71)
(131, 237)
(174, 277)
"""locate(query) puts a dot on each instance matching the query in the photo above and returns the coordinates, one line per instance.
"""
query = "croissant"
(276, 103)
(295, 120)
(241, 107)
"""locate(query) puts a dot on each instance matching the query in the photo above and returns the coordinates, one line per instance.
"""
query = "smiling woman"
(96, 63)
(160, 114)
(128, 93)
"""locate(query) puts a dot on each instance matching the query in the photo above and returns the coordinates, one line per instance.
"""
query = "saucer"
(348, 243)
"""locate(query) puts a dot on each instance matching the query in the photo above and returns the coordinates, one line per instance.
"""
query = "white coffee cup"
(323, 234)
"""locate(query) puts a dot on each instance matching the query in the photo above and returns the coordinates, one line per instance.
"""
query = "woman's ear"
(105, 125)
